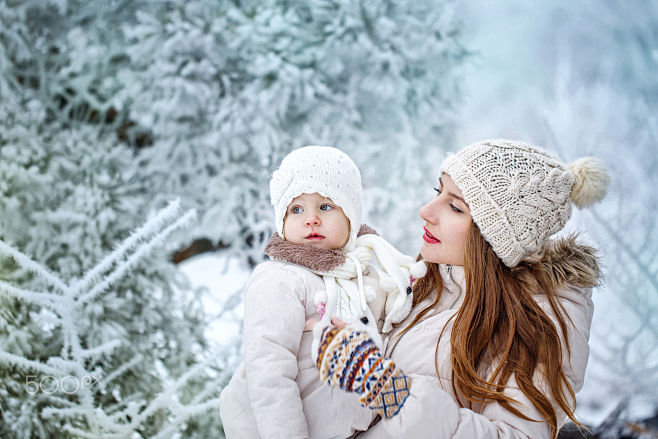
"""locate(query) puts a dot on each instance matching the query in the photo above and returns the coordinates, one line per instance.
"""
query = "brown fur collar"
(306, 255)
(565, 262)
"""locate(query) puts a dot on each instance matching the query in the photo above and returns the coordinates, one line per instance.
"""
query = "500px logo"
(50, 384)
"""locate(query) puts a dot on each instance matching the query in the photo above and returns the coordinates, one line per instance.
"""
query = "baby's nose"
(312, 220)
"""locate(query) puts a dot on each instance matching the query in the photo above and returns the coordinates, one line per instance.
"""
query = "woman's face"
(447, 220)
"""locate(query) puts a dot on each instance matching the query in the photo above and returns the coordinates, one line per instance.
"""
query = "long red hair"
(500, 324)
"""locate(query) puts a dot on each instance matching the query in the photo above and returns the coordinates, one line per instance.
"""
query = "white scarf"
(347, 299)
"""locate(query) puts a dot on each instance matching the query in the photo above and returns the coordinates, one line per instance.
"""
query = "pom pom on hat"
(590, 181)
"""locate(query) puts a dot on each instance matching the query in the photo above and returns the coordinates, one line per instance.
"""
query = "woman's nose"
(427, 211)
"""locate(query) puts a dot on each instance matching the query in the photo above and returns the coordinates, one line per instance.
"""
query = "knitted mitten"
(350, 360)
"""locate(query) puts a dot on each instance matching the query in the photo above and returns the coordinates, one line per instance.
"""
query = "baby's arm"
(273, 325)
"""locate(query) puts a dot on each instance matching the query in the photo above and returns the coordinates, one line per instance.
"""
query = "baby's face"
(316, 220)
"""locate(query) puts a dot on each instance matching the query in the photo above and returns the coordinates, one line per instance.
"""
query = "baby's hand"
(310, 323)
(350, 360)
(337, 322)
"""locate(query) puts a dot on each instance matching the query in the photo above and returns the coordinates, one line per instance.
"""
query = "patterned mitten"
(350, 360)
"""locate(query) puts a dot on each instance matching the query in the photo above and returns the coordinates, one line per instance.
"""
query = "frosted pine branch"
(49, 300)
(98, 351)
(25, 262)
(86, 435)
(141, 251)
(121, 369)
(150, 227)
(28, 365)
(74, 359)
(185, 413)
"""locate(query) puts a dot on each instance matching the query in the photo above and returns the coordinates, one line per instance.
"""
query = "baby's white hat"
(322, 169)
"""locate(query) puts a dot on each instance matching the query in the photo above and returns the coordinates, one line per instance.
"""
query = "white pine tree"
(108, 109)
(70, 386)
(227, 89)
(65, 199)
(67, 205)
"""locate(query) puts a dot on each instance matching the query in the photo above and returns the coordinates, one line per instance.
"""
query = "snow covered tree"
(65, 54)
(73, 386)
(109, 109)
(66, 199)
(228, 88)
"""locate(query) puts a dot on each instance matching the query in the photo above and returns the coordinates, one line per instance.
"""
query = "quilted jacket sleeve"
(273, 325)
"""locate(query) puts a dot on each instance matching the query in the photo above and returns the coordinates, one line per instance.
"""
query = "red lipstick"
(429, 238)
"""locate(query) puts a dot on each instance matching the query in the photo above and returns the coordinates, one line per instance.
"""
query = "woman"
(497, 341)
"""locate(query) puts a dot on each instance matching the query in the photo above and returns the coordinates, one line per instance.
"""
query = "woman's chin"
(427, 253)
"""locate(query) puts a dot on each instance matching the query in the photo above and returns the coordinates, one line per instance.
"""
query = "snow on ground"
(222, 280)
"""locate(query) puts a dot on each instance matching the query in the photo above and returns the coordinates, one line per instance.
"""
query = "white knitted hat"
(322, 169)
(519, 195)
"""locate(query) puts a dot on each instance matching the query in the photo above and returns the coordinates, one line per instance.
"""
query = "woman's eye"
(296, 209)
(438, 190)
(455, 208)
(326, 207)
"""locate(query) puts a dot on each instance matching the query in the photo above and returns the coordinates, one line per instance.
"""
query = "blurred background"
(110, 110)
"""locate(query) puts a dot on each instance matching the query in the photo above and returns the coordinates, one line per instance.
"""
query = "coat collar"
(306, 255)
(454, 285)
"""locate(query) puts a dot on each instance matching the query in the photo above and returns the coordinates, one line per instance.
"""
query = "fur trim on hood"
(565, 262)
(309, 256)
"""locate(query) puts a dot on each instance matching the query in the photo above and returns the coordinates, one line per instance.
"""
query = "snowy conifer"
(109, 109)
(67, 201)
(227, 89)
(77, 384)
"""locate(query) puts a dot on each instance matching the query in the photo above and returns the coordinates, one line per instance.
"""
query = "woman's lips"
(429, 238)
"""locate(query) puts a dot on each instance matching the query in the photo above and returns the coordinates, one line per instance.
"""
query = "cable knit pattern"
(351, 361)
(518, 194)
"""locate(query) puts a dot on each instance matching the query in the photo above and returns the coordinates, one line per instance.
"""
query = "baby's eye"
(326, 207)
(296, 209)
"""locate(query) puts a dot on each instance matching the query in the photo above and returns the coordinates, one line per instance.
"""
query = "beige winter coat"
(276, 392)
(431, 411)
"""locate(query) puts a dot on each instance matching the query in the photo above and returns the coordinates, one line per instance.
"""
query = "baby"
(319, 269)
